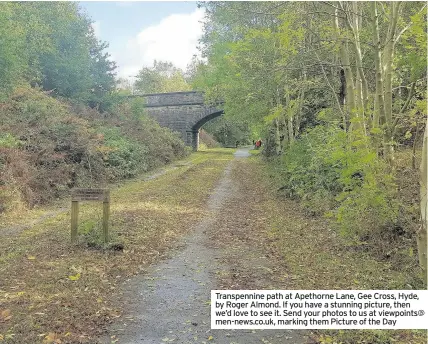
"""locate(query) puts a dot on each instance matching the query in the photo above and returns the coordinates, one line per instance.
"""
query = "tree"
(53, 45)
(12, 57)
(162, 77)
(102, 74)
(422, 233)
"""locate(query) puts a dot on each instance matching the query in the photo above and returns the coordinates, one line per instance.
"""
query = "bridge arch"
(184, 112)
(198, 125)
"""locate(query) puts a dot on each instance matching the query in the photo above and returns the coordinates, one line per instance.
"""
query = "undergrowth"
(312, 256)
(345, 181)
(48, 146)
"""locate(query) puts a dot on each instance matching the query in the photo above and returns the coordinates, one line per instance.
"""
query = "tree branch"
(407, 26)
(405, 105)
(409, 97)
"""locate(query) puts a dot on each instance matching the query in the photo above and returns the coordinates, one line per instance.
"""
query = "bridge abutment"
(195, 140)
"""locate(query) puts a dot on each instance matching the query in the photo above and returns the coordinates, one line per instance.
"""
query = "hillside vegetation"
(48, 146)
(63, 124)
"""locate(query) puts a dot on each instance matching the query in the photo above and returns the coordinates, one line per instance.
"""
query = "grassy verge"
(303, 252)
(55, 292)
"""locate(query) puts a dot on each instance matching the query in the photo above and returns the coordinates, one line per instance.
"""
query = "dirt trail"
(171, 302)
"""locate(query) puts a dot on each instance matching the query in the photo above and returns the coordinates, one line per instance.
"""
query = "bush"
(341, 178)
(123, 158)
(48, 146)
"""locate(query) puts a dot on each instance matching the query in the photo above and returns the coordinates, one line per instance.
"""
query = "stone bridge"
(184, 112)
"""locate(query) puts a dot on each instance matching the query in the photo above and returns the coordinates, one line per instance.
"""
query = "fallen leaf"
(52, 338)
(5, 315)
(75, 277)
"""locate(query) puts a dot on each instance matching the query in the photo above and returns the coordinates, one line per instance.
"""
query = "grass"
(304, 253)
(55, 292)
(255, 151)
(318, 258)
(52, 291)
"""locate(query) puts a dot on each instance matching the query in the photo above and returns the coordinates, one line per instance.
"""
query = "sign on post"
(78, 195)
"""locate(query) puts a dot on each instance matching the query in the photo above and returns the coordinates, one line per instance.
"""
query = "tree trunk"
(354, 24)
(387, 68)
(284, 132)
(344, 58)
(290, 130)
(290, 117)
(277, 138)
(422, 233)
(379, 101)
(300, 106)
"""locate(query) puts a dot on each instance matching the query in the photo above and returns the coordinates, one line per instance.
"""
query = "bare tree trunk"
(353, 21)
(379, 101)
(387, 69)
(415, 142)
(300, 106)
(290, 118)
(422, 233)
(359, 103)
(290, 130)
(344, 58)
(277, 137)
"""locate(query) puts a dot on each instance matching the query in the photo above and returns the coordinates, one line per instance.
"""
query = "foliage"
(54, 46)
(228, 131)
(124, 158)
(342, 179)
(162, 77)
(48, 146)
(335, 88)
(207, 140)
(7, 140)
(12, 40)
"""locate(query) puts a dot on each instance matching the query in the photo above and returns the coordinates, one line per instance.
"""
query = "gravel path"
(171, 302)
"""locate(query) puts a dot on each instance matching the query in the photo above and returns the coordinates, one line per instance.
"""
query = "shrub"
(342, 178)
(124, 158)
(48, 146)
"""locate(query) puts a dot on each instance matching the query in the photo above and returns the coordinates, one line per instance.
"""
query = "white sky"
(141, 32)
(174, 39)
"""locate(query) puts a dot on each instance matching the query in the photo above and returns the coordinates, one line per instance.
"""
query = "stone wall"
(174, 98)
(184, 112)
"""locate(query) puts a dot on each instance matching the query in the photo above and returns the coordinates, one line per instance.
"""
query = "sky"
(140, 32)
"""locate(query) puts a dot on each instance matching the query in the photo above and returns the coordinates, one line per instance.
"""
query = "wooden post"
(106, 216)
(74, 219)
(89, 195)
